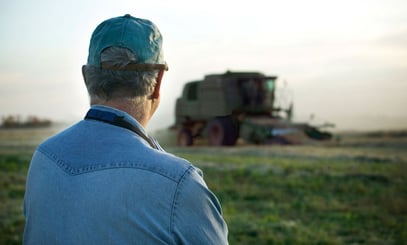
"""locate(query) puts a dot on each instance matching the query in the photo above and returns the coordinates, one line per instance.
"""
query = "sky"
(342, 61)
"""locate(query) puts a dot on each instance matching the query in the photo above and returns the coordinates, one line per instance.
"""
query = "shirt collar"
(131, 120)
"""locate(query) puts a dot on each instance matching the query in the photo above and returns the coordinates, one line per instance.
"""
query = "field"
(352, 191)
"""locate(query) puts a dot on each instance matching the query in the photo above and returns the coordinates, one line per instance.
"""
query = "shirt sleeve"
(197, 214)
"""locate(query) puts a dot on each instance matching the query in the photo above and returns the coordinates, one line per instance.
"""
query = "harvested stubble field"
(352, 191)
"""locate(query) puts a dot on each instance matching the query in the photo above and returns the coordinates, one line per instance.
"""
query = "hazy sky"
(344, 61)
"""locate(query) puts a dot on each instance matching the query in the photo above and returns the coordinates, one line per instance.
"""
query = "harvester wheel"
(222, 131)
(184, 137)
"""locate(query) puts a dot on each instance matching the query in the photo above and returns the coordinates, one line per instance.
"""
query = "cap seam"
(123, 33)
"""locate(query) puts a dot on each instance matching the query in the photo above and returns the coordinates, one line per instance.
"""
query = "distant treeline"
(12, 121)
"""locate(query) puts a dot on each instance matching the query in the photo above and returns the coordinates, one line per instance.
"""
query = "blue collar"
(119, 121)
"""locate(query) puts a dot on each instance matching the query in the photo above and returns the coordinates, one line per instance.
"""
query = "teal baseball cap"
(140, 36)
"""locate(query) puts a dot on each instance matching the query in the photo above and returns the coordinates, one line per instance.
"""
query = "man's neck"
(141, 112)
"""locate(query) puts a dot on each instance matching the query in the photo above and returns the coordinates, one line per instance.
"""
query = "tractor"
(237, 105)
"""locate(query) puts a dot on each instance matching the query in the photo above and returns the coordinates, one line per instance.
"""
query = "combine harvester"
(225, 107)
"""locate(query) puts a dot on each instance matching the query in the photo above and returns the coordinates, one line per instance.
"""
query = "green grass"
(353, 193)
(292, 200)
(13, 169)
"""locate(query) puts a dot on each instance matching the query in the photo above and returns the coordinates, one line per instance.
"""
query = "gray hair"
(112, 84)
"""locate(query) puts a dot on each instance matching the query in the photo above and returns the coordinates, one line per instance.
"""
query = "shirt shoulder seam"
(176, 194)
(64, 165)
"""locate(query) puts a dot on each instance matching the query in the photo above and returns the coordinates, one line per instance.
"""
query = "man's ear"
(156, 93)
(83, 73)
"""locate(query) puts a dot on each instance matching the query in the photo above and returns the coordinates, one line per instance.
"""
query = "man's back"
(81, 190)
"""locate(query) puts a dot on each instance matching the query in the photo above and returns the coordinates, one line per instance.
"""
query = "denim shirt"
(97, 183)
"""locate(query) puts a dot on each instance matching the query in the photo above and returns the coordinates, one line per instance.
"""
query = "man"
(104, 180)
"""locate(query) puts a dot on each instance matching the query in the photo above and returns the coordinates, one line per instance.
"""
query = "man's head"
(125, 60)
